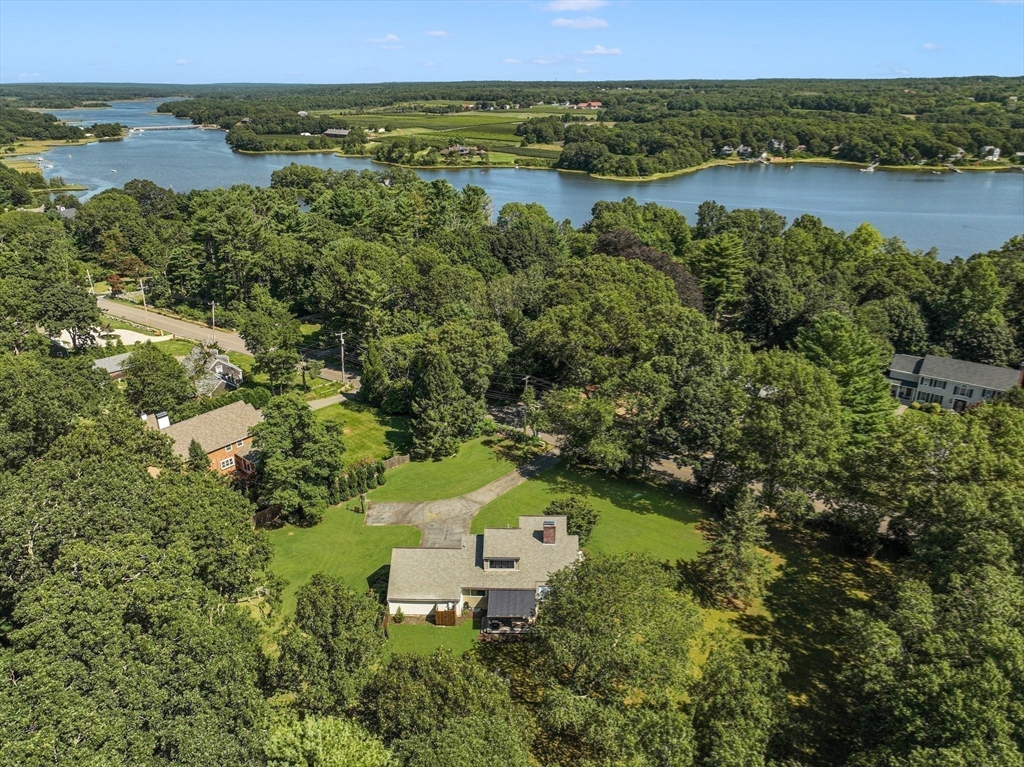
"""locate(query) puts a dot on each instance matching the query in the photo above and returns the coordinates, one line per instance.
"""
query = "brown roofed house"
(223, 433)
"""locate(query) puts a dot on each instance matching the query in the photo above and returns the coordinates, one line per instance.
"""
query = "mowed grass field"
(474, 466)
(340, 546)
(368, 432)
(634, 515)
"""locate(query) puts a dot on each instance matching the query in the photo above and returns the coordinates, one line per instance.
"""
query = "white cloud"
(600, 50)
(427, 64)
(931, 47)
(583, 22)
(582, 71)
(181, 62)
(389, 38)
(437, 33)
(391, 47)
(545, 60)
(575, 5)
(513, 61)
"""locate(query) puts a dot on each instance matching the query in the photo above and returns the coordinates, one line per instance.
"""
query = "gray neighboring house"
(211, 372)
(336, 132)
(953, 384)
(113, 365)
(499, 574)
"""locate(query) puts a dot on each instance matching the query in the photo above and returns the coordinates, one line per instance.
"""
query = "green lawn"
(635, 516)
(368, 432)
(340, 545)
(424, 638)
(474, 466)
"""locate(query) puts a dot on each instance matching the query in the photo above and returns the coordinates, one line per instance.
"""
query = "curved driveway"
(443, 523)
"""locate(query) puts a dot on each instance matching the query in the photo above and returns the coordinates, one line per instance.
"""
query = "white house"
(499, 574)
(953, 384)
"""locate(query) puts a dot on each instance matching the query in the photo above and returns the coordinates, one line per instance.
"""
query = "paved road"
(443, 523)
(226, 339)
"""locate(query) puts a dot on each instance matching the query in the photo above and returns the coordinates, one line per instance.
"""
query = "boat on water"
(870, 168)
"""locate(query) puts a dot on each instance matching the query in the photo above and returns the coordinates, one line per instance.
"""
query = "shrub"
(399, 615)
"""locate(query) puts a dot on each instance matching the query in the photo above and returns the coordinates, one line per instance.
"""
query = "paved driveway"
(443, 523)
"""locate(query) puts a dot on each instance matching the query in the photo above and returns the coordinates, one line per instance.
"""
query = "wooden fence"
(397, 460)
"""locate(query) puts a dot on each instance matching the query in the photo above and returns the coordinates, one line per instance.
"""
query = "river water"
(959, 214)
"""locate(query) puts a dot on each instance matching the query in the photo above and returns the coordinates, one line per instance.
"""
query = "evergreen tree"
(856, 360)
(374, 382)
(721, 265)
(439, 409)
(198, 460)
(732, 568)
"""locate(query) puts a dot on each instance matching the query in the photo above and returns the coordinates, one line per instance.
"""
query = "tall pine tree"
(374, 381)
(440, 408)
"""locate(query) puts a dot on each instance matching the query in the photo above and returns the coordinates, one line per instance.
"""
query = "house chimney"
(162, 420)
(549, 531)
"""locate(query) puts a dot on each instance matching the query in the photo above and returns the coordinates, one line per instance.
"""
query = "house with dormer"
(498, 576)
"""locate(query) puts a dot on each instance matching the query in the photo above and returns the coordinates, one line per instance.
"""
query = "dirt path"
(443, 523)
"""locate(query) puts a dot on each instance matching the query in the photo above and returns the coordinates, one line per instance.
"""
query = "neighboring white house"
(953, 384)
(499, 574)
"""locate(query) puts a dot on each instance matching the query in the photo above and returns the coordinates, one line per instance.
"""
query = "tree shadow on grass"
(635, 495)
(806, 606)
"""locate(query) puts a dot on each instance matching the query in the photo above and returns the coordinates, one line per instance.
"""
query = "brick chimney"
(549, 531)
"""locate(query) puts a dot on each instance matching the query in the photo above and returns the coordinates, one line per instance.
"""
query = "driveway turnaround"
(443, 523)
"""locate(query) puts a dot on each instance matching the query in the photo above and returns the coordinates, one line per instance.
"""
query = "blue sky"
(345, 42)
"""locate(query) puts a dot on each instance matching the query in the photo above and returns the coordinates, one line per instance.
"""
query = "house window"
(227, 448)
(935, 383)
(227, 463)
(962, 391)
(477, 592)
(503, 564)
(923, 396)
(240, 443)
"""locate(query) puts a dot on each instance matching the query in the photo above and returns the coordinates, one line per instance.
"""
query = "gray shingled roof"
(215, 429)
(973, 373)
(906, 363)
(113, 364)
(441, 574)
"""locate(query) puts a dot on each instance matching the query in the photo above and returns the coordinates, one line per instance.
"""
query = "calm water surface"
(959, 214)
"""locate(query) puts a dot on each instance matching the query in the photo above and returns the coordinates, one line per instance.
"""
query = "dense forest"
(139, 617)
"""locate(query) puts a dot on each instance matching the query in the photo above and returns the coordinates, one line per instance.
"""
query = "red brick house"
(223, 433)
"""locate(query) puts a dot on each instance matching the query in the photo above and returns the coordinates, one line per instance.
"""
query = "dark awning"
(511, 603)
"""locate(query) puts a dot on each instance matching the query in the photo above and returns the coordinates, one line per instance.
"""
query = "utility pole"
(341, 334)
(145, 309)
(213, 319)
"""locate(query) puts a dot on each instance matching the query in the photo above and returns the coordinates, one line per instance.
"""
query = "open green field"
(368, 432)
(635, 516)
(474, 466)
(340, 545)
